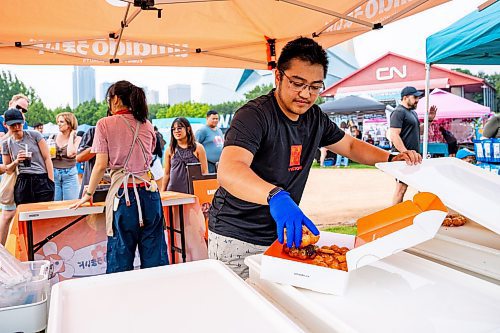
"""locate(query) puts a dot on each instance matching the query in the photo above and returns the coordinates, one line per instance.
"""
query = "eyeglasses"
(300, 86)
(177, 129)
(20, 108)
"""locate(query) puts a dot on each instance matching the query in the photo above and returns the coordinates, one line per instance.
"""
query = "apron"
(121, 177)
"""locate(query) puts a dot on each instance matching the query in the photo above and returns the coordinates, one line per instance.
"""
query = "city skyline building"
(83, 84)
(104, 86)
(179, 93)
(152, 96)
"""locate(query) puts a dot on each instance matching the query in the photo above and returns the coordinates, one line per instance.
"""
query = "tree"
(319, 100)
(186, 109)
(11, 85)
(227, 107)
(38, 113)
(155, 108)
(258, 91)
(492, 79)
(61, 109)
(90, 112)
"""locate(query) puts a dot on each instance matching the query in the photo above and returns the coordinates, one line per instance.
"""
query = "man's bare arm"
(235, 175)
(395, 134)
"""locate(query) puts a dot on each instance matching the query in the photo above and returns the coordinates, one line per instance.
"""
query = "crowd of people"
(262, 163)
(123, 145)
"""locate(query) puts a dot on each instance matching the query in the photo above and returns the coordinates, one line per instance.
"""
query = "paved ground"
(340, 196)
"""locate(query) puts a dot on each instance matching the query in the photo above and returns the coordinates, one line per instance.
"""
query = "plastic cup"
(27, 160)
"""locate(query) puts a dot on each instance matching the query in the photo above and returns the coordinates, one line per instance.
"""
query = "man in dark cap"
(406, 129)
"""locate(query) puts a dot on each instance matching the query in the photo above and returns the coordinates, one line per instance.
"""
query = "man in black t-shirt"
(268, 152)
(405, 130)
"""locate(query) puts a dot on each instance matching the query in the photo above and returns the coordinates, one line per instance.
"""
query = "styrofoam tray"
(401, 293)
(463, 187)
(201, 296)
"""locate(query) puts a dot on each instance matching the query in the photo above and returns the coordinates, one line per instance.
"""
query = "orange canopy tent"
(206, 33)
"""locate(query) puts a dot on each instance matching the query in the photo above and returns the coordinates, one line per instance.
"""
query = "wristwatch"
(391, 156)
(88, 193)
(273, 192)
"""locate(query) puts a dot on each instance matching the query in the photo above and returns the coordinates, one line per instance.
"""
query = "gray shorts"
(232, 252)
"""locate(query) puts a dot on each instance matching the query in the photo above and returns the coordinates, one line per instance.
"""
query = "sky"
(405, 37)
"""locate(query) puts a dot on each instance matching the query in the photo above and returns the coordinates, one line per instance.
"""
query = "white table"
(401, 293)
(201, 296)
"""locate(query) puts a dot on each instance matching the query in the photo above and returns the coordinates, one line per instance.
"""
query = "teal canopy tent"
(472, 40)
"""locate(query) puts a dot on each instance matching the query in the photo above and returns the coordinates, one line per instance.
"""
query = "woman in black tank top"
(183, 149)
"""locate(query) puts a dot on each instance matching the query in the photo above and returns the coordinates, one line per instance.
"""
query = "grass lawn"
(352, 165)
(343, 229)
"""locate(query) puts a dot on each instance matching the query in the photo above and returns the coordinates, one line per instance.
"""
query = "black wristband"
(389, 159)
(273, 192)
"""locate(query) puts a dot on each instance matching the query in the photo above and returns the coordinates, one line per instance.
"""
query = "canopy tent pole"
(426, 116)
(332, 13)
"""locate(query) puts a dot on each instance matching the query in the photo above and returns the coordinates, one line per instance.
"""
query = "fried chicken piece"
(308, 238)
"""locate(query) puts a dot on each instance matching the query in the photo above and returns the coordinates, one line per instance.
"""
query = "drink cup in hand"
(27, 159)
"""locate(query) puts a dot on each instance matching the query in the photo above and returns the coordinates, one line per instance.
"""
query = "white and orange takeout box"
(380, 235)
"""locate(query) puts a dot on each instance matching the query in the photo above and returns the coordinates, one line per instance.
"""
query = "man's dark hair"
(211, 112)
(37, 125)
(304, 49)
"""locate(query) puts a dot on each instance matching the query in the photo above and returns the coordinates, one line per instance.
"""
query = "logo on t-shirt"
(218, 141)
(295, 152)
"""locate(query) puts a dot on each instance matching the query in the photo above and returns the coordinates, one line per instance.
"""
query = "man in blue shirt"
(212, 139)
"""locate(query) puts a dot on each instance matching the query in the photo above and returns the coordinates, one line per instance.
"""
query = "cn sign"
(388, 73)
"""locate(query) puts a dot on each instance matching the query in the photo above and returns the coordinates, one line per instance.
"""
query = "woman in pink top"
(134, 217)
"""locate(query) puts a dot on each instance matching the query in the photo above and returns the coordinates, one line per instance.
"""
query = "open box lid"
(395, 229)
(463, 187)
(388, 231)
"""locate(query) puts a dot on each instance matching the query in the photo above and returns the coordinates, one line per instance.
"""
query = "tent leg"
(426, 116)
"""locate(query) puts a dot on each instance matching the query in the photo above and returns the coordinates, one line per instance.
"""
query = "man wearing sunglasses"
(20, 102)
(268, 152)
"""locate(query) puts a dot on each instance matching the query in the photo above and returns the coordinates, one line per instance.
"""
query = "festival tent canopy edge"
(474, 39)
(205, 33)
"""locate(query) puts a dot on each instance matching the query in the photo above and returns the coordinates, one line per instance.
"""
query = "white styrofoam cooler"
(29, 314)
(200, 296)
(401, 293)
(470, 191)
(463, 187)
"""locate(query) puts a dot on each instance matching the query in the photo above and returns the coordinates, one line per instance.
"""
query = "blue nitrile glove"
(288, 215)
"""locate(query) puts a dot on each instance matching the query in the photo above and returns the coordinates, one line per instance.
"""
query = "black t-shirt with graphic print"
(283, 154)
